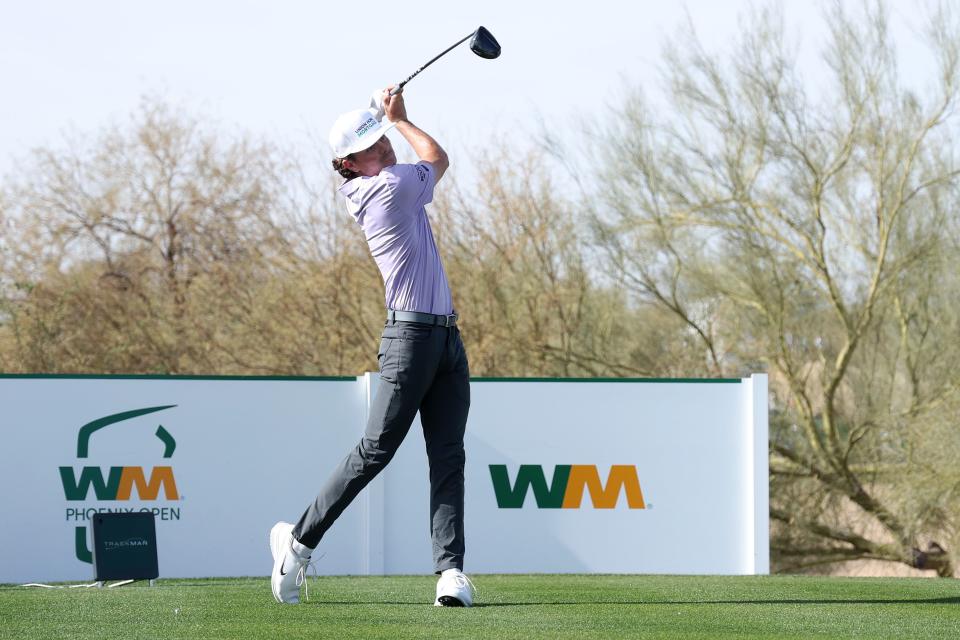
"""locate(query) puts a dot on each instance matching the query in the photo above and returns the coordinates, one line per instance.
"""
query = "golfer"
(423, 365)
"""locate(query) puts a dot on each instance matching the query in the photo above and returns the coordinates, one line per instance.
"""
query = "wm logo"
(115, 483)
(569, 483)
(119, 484)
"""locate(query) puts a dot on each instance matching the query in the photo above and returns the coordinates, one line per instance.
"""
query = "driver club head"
(484, 44)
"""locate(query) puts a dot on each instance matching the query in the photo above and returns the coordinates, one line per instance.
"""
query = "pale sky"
(286, 68)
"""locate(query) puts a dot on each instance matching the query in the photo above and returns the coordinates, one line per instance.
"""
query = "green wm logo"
(117, 483)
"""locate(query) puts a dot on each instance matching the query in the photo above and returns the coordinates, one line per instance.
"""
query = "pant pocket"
(415, 333)
(388, 360)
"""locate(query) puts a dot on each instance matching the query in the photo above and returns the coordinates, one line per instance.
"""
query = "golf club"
(483, 44)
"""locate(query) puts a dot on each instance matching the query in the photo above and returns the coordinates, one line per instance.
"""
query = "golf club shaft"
(397, 89)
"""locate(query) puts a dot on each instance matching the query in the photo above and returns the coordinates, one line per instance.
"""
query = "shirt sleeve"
(412, 184)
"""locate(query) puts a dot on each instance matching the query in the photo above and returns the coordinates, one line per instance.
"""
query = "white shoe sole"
(278, 534)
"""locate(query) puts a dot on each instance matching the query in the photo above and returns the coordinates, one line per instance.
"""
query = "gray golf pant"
(421, 368)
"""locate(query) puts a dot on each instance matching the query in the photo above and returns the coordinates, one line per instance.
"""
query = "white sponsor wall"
(248, 452)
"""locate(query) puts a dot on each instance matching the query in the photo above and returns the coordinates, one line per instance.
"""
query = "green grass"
(515, 606)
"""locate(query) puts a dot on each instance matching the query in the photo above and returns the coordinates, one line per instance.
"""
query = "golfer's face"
(372, 160)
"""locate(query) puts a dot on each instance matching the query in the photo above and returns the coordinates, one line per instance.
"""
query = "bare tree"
(169, 247)
(131, 249)
(516, 254)
(802, 227)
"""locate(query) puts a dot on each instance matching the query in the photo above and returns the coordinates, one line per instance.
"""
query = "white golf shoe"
(288, 567)
(454, 589)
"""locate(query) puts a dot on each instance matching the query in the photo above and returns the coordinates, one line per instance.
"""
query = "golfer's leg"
(390, 419)
(401, 386)
(443, 414)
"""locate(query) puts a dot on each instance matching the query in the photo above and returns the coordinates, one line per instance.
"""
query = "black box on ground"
(125, 546)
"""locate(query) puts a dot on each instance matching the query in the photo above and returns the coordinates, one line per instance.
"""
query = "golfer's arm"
(425, 147)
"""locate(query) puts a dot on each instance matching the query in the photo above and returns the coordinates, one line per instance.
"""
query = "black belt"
(421, 318)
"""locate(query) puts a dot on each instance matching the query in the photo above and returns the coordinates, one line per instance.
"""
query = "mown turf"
(515, 606)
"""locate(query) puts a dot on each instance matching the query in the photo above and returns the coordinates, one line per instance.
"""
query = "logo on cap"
(367, 125)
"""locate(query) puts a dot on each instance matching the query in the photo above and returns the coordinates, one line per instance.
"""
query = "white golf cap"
(355, 131)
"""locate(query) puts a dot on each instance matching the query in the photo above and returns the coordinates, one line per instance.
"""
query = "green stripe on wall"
(634, 380)
(94, 376)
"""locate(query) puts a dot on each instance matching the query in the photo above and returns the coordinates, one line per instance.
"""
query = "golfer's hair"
(342, 170)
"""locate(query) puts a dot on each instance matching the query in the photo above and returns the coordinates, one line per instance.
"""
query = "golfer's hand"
(393, 106)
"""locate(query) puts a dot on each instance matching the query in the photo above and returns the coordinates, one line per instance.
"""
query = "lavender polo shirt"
(389, 207)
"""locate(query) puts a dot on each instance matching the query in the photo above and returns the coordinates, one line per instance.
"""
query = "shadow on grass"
(854, 601)
(953, 600)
